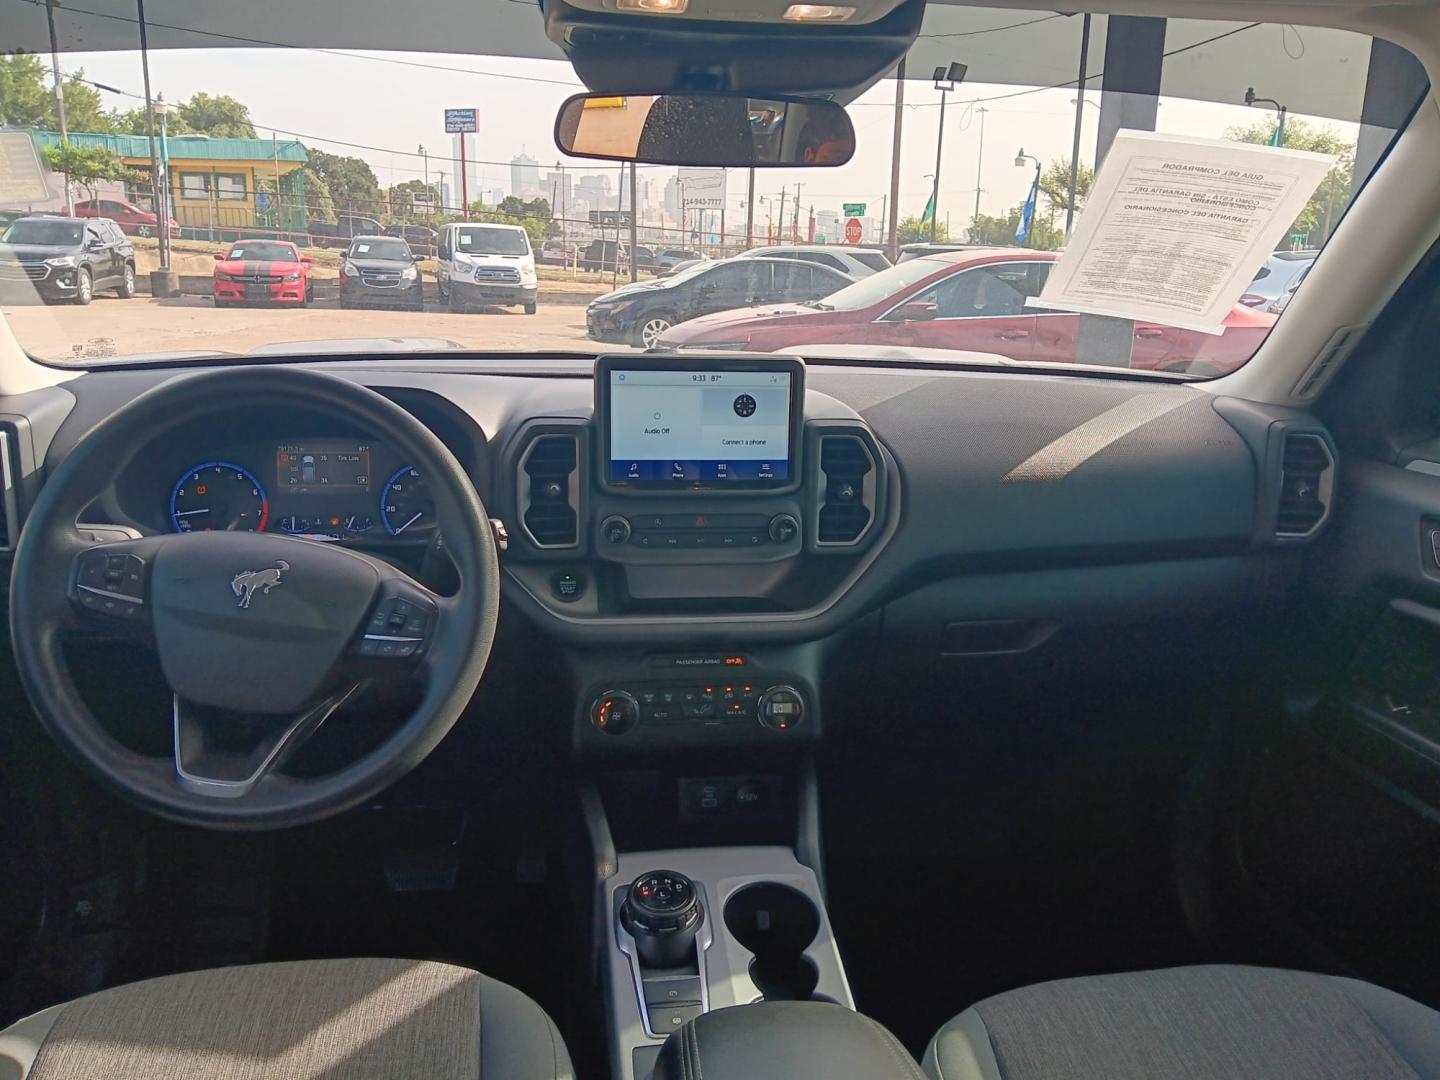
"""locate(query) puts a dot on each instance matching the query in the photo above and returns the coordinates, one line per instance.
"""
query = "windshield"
(262, 251)
(54, 233)
(482, 241)
(380, 249)
(1143, 194)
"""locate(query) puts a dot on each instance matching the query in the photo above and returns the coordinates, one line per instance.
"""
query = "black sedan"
(640, 313)
(380, 271)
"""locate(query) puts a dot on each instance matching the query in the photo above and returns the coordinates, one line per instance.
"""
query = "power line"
(997, 29)
(1067, 84)
(309, 48)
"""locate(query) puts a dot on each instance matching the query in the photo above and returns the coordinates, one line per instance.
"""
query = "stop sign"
(853, 231)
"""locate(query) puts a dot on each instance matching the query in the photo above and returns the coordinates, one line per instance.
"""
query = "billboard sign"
(703, 189)
(466, 121)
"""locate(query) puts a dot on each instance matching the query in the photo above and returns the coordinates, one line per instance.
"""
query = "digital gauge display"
(313, 467)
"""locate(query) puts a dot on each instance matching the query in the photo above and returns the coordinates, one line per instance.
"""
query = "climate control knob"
(784, 528)
(614, 712)
(780, 708)
(615, 529)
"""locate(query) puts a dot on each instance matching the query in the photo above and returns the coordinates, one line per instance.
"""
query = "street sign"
(462, 120)
(22, 177)
(853, 209)
(619, 218)
(702, 189)
(853, 231)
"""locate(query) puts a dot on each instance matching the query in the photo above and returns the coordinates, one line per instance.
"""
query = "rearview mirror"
(307, 260)
(705, 129)
(221, 256)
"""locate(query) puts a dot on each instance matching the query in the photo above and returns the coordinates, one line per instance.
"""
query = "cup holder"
(777, 924)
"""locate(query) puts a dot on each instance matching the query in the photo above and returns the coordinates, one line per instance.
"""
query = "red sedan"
(973, 301)
(133, 221)
(263, 272)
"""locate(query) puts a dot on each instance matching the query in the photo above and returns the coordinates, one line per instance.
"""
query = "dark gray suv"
(63, 258)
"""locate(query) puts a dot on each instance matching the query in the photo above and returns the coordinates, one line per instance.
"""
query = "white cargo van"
(480, 263)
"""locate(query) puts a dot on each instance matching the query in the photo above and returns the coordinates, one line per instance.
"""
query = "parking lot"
(110, 327)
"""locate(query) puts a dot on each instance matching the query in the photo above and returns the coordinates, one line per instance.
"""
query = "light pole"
(1020, 158)
(163, 109)
(979, 161)
(425, 160)
(59, 96)
(946, 80)
(1280, 110)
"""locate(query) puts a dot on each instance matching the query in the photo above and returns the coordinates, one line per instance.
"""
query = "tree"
(86, 165)
(27, 101)
(1331, 198)
(913, 231)
(1000, 231)
(221, 116)
(1055, 185)
(132, 122)
(350, 182)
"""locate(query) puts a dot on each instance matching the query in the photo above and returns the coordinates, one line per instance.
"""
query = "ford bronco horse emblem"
(247, 582)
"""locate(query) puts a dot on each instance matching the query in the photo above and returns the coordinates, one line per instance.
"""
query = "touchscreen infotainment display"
(709, 427)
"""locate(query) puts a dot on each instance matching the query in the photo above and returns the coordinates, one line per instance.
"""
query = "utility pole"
(782, 209)
(60, 97)
(1079, 119)
(894, 218)
(750, 210)
(795, 223)
(634, 226)
(979, 160)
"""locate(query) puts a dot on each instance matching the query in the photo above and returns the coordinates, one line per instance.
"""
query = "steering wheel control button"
(567, 586)
(615, 529)
(615, 712)
(397, 628)
(110, 583)
(783, 528)
(781, 708)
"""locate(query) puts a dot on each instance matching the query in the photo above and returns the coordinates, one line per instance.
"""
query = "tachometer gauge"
(218, 496)
(405, 504)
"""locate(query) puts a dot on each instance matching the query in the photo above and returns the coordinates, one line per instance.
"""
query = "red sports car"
(965, 300)
(263, 272)
(133, 221)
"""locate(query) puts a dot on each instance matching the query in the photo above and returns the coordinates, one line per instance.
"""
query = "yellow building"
(218, 187)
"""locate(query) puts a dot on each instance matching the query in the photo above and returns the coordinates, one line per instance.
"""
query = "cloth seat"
(307, 1020)
(1194, 1023)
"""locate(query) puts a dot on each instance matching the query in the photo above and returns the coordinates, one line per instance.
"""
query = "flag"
(1027, 212)
(929, 213)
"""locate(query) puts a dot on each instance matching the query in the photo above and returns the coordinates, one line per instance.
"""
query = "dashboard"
(712, 525)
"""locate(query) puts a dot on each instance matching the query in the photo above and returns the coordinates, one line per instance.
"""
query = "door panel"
(1337, 833)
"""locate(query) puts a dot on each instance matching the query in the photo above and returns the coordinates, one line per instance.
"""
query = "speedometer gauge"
(218, 496)
(405, 504)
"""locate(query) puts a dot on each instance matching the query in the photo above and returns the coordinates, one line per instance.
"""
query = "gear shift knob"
(663, 915)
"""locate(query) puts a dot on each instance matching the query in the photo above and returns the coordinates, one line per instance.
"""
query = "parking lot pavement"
(110, 327)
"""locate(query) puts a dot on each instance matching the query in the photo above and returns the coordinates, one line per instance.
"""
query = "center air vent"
(1307, 476)
(847, 502)
(549, 491)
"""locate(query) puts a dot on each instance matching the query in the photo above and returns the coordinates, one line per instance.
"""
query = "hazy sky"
(390, 103)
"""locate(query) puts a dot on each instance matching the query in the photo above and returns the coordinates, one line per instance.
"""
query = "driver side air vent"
(549, 491)
(848, 501)
(9, 485)
(1307, 475)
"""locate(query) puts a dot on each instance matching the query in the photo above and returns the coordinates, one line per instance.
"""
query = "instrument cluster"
(334, 490)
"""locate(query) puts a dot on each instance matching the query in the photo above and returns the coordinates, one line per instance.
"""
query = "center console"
(694, 930)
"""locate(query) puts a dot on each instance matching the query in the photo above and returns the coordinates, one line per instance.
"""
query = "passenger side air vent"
(847, 503)
(1307, 478)
(9, 489)
(549, 493)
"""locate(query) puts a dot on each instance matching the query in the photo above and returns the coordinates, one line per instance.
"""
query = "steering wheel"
(261, 637)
